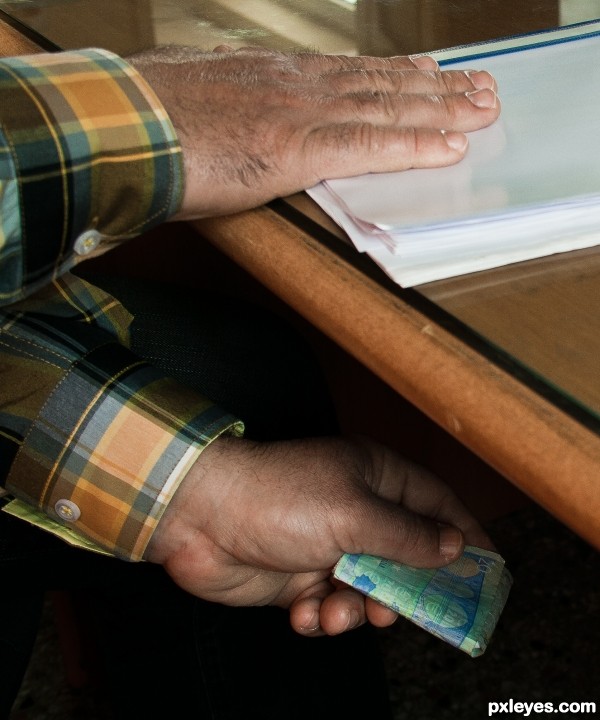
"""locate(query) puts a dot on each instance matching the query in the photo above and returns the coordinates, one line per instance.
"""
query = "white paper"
(529, 185)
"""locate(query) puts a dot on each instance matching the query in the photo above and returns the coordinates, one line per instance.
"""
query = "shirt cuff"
(111, 446)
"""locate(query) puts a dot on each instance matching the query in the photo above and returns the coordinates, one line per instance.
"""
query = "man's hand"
(256, 124)
(264, 523)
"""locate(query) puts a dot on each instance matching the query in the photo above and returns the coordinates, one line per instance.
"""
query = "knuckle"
(373, 103)
(412, 143)
(447, 108)
(452, 82)
(416, 539)
(371, 140)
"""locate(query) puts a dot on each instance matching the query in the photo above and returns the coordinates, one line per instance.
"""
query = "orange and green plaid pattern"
(84, 144)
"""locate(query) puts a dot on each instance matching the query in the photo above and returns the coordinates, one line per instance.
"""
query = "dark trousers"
(165, 653)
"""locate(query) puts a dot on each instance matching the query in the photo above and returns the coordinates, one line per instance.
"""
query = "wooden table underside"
(543, 451)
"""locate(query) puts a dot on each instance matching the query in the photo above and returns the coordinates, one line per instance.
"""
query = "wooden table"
(473, 353)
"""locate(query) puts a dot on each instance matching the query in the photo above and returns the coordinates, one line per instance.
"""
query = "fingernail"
(481, 79)
(424, 62)
(455, 140)
(312, 625)
(353, 620)
(484, 98)
(450, 541)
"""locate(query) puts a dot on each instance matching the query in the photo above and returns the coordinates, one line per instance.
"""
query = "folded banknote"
(459, 603)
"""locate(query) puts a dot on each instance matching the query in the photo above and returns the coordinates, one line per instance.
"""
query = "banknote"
(459, 603)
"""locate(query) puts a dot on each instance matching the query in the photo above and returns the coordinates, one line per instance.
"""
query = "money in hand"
(459, 603)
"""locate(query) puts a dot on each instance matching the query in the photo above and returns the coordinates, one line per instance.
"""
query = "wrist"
(194, 504)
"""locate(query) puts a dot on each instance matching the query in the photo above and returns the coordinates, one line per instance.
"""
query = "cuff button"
(67, 510)
(87, 242)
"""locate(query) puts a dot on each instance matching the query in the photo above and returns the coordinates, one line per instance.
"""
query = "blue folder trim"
(536, 41)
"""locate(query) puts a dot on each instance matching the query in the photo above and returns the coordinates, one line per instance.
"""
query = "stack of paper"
(528, 187)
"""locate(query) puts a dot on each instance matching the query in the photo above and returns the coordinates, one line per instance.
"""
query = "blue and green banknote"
(459, 603)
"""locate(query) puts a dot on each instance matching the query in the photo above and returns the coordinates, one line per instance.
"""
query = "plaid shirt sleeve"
(88, 156)
(91, 436)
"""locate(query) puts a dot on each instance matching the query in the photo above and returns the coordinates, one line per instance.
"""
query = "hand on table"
(264, 523)
(256, 124)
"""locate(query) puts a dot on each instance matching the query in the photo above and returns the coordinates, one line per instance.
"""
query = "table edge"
(545, 452)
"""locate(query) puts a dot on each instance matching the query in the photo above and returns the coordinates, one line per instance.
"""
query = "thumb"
(395, 533)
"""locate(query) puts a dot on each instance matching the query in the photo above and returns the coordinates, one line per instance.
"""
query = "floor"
(546, 647)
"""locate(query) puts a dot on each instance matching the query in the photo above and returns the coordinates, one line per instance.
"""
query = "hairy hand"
(264, 523)
(256, 124)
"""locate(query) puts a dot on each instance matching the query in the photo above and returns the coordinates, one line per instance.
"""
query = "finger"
(429, 500)
(437, 501)
(332, 612)
(305, 617)
(381, 528)
(346, 609)
(426, 495)
(379, 615)
(409, 484)
(482, 79)
(423, 62)
(354, 149)
(342, 610)
(305, 609)
(411, 81)
(223, 49)
(317, 63)
(463, 112)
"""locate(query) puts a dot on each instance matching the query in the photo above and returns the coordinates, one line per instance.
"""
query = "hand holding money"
(258, 523)
(459, 603)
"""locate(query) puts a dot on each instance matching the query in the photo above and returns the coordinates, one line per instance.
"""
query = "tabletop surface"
(541, 319)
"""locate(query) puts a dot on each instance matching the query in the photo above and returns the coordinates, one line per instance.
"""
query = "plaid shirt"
(91, 436)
